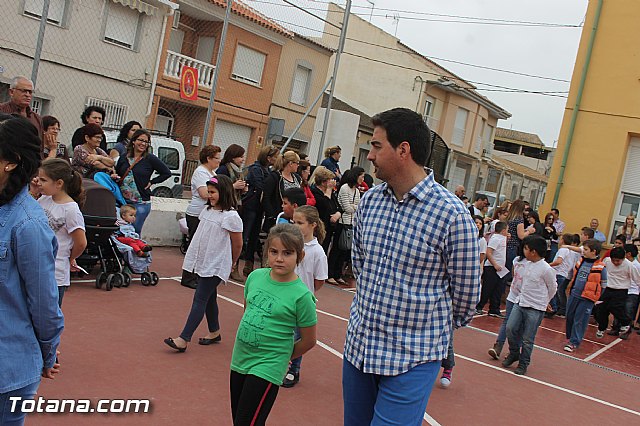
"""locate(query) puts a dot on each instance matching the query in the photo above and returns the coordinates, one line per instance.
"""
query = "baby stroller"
(99, 213)
(184, 230)
(135, 265)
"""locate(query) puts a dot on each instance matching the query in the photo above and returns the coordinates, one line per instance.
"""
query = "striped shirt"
(417, 270)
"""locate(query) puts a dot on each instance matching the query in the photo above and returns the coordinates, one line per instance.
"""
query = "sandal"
(205, 341)
(169, 341)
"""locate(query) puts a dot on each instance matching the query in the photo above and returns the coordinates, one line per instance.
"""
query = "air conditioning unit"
(176, 20)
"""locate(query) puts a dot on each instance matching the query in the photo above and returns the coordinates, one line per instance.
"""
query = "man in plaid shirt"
(416, 260)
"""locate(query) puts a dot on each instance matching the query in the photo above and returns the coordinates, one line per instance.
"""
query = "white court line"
(535, 346)
(602, 350)
(563, 333)
(329, 349)
(556, 387)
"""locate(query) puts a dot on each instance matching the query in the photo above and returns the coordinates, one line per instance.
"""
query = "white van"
(171, 152)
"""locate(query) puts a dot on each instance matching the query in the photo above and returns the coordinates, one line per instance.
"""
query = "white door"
(226, 133)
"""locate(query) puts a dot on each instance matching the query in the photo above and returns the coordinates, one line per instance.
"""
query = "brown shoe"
(236, 275)
(248, 268)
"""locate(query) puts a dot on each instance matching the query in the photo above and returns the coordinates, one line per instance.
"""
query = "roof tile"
(253, 15)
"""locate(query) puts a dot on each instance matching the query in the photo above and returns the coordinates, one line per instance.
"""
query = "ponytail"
(311, 215)
(58, 169)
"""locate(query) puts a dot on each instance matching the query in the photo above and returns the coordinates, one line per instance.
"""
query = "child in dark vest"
(589, 277)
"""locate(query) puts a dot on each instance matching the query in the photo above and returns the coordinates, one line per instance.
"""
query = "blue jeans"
(142, 211)
(372, 399)
(61, 290)
(559, 301)
(450, 361)
(502, 334)
(523, 324)
(578, 313)
(16, 417)
(205, 302)
(553, 250)
(296, 362)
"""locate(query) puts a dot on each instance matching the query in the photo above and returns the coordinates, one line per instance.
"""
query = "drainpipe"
(576, 107)
(172, 8)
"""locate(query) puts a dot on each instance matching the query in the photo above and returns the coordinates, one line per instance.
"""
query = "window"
(460, 128)
(116, 114)
(170, 157)
(122, 25)
(204, 51)
(428, 106)
(56, 12)
(248, 65)
(300, 87)
(492, 180)
(175, 40)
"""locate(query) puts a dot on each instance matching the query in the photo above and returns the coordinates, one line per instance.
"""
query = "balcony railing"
(175, 62)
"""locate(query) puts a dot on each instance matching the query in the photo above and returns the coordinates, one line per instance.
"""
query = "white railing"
(176, 61)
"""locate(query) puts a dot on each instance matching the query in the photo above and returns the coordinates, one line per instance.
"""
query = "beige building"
(95, 52)
(378, 72)
(302, 74)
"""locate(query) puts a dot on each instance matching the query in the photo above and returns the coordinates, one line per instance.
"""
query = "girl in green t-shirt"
(276, 302)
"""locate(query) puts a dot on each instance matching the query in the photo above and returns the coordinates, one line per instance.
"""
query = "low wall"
(161, 227)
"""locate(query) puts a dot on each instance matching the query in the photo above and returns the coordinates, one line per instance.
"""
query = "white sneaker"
(600, 334)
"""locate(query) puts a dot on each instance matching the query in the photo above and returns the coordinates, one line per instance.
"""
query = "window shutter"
(248, 65)
(460, 127)
(300, 82)
(56, 9)
(226, 133)
(122, 25)
(631, 180)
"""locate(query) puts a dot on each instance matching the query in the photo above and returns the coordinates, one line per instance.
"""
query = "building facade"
(247, 77)
(597, 170)
(95, 52)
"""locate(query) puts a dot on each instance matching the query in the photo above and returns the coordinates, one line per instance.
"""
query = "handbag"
(345, 239)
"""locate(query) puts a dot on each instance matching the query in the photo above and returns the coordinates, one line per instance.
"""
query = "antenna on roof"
(396, 21)
(373, 5)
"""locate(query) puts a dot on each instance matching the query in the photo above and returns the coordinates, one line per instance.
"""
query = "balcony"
(175, 62)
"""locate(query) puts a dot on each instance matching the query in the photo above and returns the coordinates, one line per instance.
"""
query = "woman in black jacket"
(323, 188)
(279, 180)
(252, 212)
(135, 170)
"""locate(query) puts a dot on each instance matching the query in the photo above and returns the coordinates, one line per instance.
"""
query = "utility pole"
(216, 73)
(39, 42)
(327, 111)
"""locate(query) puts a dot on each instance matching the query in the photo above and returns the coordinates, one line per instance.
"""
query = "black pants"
(613, 302)
(251, 399)
(337, 257)
(205, 303)
(252, 222)
(189, 279)
(492, 289)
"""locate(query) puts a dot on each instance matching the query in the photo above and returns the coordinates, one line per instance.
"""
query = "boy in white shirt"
(563, 264)
(537, 288)
(633, 295)
(620, 274)
(491, 281)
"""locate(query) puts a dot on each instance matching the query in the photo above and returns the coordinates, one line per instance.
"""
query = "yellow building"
(596, 172)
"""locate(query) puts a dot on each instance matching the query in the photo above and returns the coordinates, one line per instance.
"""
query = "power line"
(550, 93)
(453, 18)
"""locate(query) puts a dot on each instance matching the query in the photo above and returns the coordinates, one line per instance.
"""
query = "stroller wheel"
(109, 284)
(127, 280)
(154, 278)
(118, 280)
(146, 279)
(100, 279)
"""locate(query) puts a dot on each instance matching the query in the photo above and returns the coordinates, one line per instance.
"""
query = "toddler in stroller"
(127, 234)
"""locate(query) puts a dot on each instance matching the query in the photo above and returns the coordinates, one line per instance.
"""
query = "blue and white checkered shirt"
(417, 266)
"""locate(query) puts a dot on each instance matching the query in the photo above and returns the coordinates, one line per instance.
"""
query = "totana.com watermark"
(41, 405)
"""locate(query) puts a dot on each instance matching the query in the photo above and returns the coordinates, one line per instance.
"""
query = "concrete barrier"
(161, 227)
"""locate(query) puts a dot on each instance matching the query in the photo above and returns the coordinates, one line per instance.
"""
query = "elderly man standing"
(20, 95)
(459, 191)
(415, 257)
(597, 234)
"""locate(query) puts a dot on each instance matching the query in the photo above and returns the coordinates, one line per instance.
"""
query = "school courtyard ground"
(112, 348)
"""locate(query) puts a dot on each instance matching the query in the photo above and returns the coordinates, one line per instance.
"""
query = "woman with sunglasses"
(135, 170)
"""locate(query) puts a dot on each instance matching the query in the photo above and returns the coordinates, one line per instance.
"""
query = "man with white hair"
(459, 191)
(20, 93)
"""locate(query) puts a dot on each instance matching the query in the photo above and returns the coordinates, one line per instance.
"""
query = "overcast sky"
(543, 51)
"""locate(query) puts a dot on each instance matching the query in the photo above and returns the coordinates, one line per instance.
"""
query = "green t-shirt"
(264, 342)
